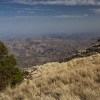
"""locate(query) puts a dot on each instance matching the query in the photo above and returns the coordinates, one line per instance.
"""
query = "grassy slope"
(78, 79)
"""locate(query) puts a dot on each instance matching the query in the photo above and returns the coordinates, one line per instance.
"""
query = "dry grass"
(78, 79)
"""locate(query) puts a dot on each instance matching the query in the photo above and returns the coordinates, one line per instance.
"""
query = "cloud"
(97, 11)
(72, 16)
(52, 2)
(22, 11)
(2, 12)
(98, 2)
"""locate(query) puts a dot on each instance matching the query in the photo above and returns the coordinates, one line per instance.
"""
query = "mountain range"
(49, 48)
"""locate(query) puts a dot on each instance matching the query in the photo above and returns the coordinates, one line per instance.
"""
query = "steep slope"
(78, 79)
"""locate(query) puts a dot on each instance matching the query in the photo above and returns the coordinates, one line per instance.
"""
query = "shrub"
(9, 74)
(8, 61)
(3, 50)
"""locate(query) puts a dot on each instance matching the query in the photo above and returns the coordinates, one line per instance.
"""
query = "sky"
(48, 16)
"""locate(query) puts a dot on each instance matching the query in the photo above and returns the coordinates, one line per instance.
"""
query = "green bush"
(3, 50)
(9, 74)
(8, 61)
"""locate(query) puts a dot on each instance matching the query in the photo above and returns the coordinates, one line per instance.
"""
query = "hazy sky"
(49, 16)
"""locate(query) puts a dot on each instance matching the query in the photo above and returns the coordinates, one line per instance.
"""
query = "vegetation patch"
(9, 74)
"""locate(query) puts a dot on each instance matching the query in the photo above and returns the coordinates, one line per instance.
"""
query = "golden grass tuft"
(78, 79)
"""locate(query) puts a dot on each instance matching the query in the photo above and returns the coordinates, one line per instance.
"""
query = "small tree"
(3, 50)
(9, 74)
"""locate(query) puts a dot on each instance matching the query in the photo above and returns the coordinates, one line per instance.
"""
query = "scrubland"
(78, 79)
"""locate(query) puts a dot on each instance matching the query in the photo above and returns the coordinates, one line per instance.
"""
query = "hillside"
(78, 79)
(54, 48)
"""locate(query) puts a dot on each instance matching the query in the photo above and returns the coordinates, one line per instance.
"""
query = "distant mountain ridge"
(30, 52)
(48, 48)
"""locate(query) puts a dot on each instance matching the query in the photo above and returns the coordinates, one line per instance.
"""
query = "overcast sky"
(49, 16)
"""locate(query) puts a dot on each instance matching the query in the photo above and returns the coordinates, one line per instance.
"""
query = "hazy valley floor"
(47, 49)
(78, 79)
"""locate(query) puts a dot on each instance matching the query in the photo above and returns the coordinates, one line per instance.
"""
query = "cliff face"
(77, 79)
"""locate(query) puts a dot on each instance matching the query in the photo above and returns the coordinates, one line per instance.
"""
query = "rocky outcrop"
(84, 53)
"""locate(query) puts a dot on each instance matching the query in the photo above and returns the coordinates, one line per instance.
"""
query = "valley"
(50, 48)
